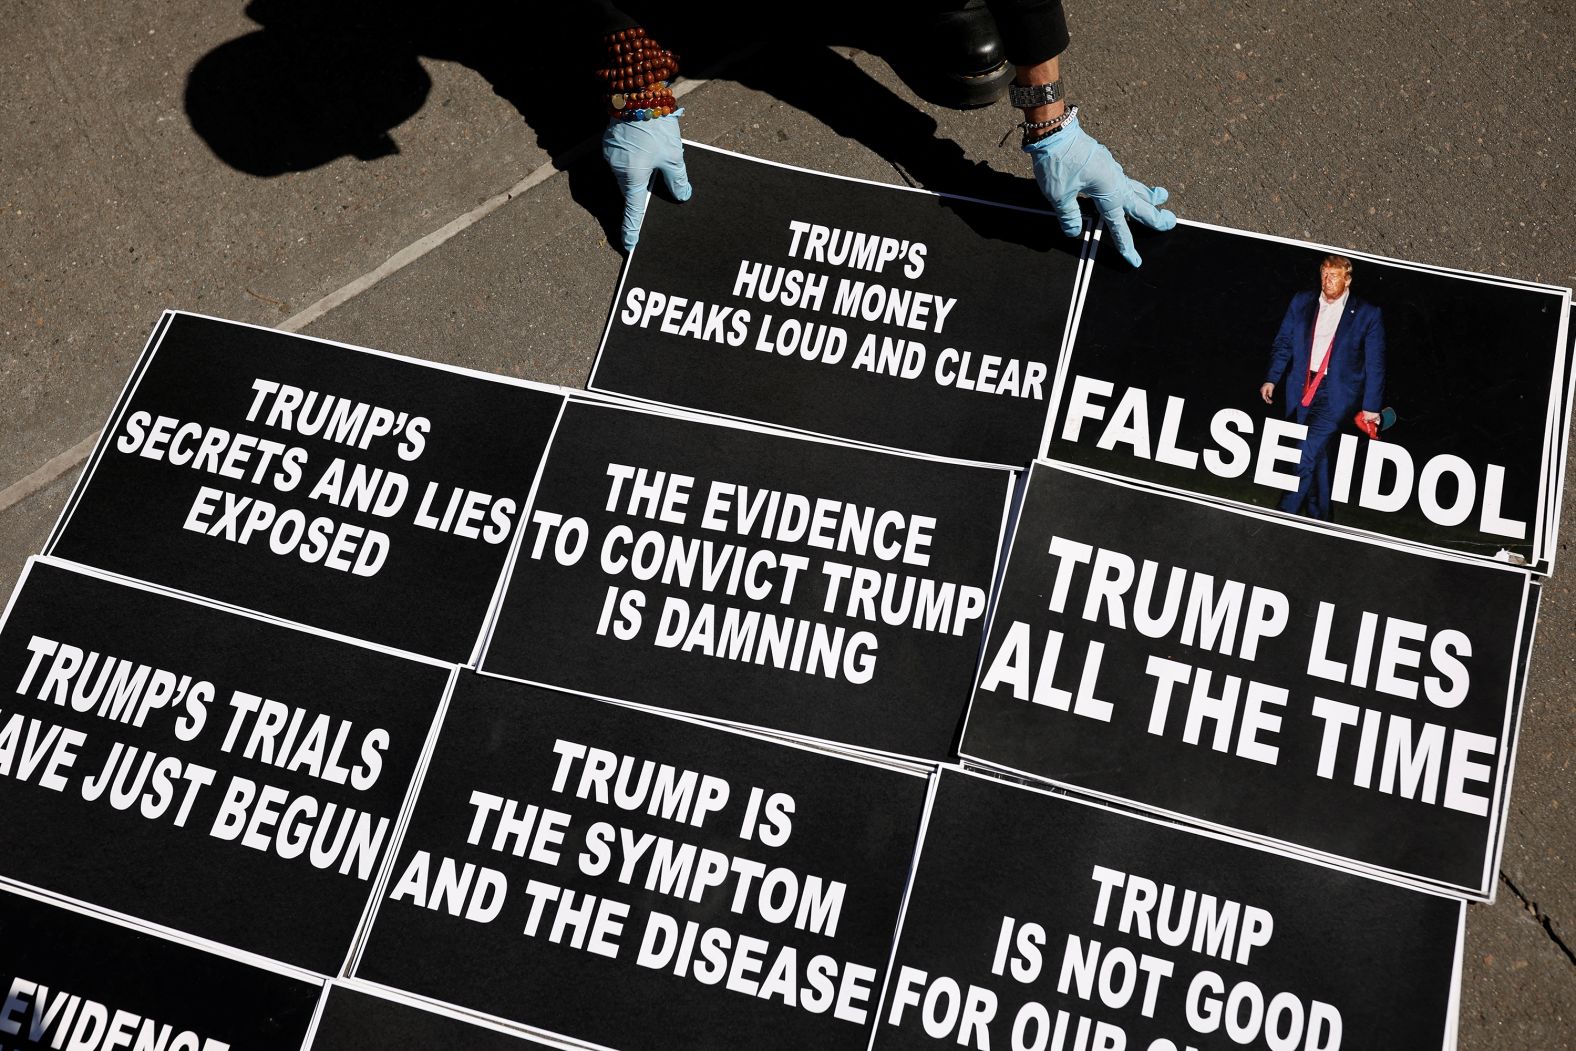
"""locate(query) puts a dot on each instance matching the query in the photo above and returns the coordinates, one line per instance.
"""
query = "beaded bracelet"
(636, 76)
(1046, 127)
(655, 101)
(643, 113)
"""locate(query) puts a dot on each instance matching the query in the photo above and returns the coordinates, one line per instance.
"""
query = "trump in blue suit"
(1324, 389)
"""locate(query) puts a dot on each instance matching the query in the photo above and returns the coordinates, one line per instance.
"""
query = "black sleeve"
(602, 17)
(1032, 31)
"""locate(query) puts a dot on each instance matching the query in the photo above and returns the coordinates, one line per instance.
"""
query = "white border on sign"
(1525, 647)
(444, 1008)
(908, 894)
(842, 749)
(1489, 279)
(1453, 1005)
(1494, 835)
(1069, 335)
(164, 591)
(862, 757)
(385, 872)
(506, 570)
(132, 379)
(1562, 439)
(317, 1016)
(164, 934)
(607, 399)
(1268, 514)
(437, 1008)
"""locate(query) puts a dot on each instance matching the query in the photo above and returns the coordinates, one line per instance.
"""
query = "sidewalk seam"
(1541, 917)
(420, 247)
(57, 465)
(52, 469)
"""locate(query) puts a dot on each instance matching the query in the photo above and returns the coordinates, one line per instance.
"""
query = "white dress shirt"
(1329, 319)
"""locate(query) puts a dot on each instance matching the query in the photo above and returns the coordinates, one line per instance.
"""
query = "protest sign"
(367, 494)
(76, 982)
(767, 579)
(1166, 372)
(642, 882)
(1257, 674)
(355, 1019)
(867, 312)
(1041, 923)
(206, 771)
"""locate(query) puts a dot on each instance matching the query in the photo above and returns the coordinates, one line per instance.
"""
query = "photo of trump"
(1328, 360)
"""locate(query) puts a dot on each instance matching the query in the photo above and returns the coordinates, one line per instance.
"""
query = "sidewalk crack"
(1542, 918)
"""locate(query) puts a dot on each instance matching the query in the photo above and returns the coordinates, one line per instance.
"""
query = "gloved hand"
(1072, 162)
(636, 148)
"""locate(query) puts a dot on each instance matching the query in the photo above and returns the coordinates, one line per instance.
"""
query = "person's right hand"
(1070, 162)
(634, 149)
(1267, 392)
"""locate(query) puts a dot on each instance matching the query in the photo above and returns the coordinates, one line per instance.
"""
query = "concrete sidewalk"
(1436, 132)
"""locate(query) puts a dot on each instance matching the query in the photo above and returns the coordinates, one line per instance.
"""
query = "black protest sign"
(354, 1020)
(642, 882)
(73, 982)
(207, 771)
(366, 494)
(1256, 674)
(1040, 922)
(1165, 382)
(866, 312)
(767, 579)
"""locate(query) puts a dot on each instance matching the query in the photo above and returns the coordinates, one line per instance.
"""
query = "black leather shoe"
(954, 57)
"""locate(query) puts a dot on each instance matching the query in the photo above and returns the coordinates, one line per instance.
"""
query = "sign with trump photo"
(1418, 403)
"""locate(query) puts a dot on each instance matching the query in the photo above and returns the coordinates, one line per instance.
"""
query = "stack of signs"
(753, 577)
(1308, 676)
(202, 770)
(358, 492)
(226, 676)
(234, 725)
(736, 892)
(851, 309)
(1037, 921)
(363, 701)
(1283, 682)
(1234, 591)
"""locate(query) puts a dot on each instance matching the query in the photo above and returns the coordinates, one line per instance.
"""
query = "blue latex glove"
(1071, 162)
(636, 148)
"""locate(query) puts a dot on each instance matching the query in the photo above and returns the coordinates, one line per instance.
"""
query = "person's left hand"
(1071, 162)
(634, 149)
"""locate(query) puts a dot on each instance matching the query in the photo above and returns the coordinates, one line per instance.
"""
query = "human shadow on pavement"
(324, 79)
